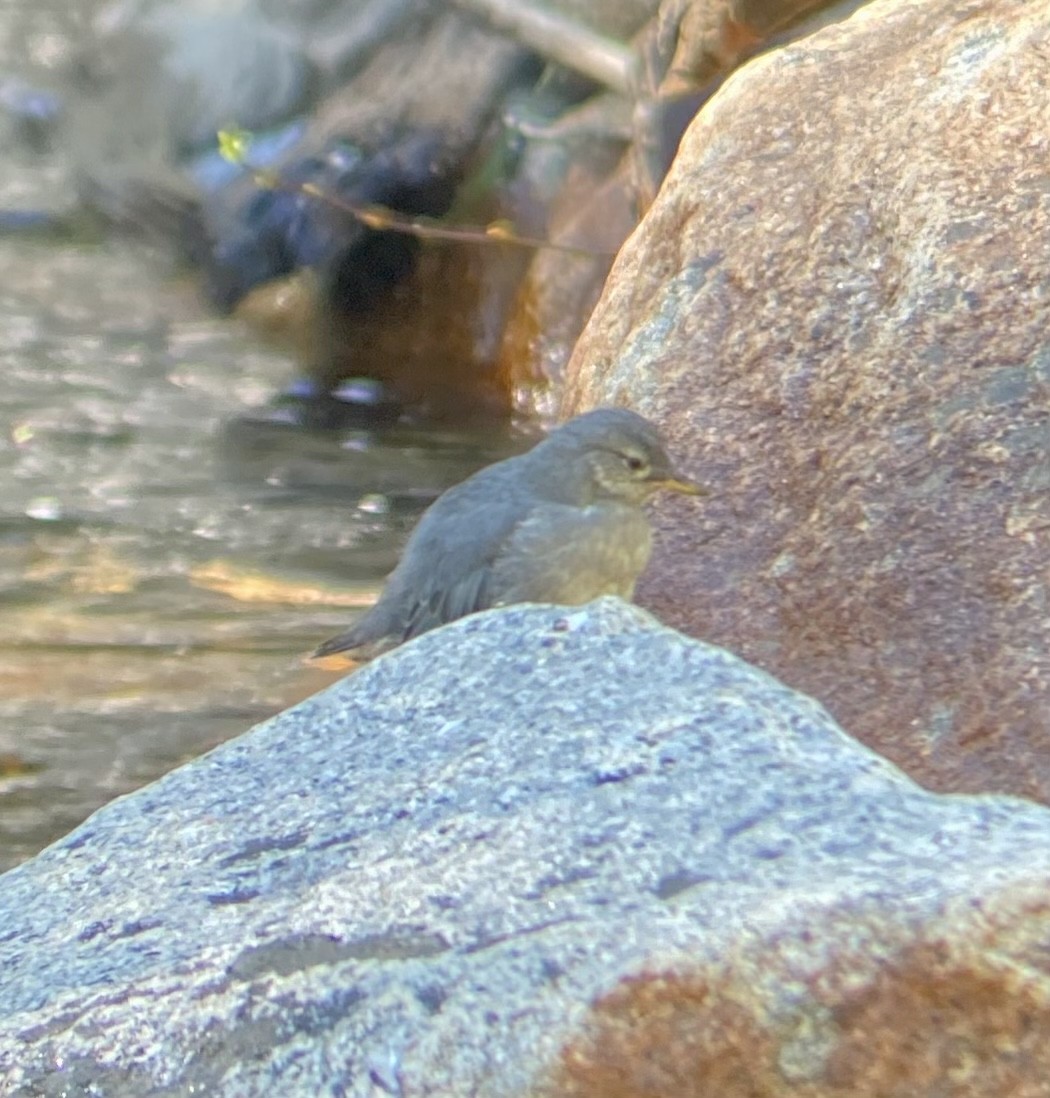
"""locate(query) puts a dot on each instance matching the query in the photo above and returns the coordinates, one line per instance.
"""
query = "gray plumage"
(561, 523)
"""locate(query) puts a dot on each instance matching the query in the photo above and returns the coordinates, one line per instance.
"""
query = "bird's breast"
(571, 555)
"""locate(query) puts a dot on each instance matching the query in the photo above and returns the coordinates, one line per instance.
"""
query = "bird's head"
(615, 454)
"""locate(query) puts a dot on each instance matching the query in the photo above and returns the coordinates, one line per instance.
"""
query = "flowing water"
(166, 558)
(166, 562)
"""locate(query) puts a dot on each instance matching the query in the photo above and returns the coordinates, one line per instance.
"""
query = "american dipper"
(562, 523)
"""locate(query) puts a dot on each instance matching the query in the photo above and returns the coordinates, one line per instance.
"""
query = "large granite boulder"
(839, 305)
(538, 852)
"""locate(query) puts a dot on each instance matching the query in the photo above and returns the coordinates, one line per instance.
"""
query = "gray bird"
(562, 523)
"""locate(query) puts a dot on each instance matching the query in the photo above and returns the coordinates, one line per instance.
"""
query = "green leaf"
(234, 145)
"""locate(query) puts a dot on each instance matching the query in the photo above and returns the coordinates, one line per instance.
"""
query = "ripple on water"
(164, 563)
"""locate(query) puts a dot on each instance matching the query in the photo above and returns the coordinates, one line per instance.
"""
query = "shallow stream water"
(166, 562)
(167, 558)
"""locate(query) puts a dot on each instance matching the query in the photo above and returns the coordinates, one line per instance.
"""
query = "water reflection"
(164, 562)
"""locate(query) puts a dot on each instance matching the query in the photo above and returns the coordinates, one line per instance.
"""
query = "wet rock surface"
(841, 310)
(471, 109)
(537, 852)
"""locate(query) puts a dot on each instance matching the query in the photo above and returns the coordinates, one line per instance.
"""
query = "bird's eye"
(634, 463)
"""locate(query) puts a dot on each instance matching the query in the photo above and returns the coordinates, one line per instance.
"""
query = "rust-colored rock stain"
(961, 1011)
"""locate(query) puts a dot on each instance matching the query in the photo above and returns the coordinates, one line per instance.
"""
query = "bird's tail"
(368, 637)
(344, 642)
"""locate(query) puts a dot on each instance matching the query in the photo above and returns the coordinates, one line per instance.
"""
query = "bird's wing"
(446, 568)
(443, 603)
(446, 571)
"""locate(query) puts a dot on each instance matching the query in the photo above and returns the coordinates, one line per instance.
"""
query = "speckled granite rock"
(842, 312)
(689, 47)
(538, 852)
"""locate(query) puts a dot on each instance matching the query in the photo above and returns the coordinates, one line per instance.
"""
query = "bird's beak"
(684, 485)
